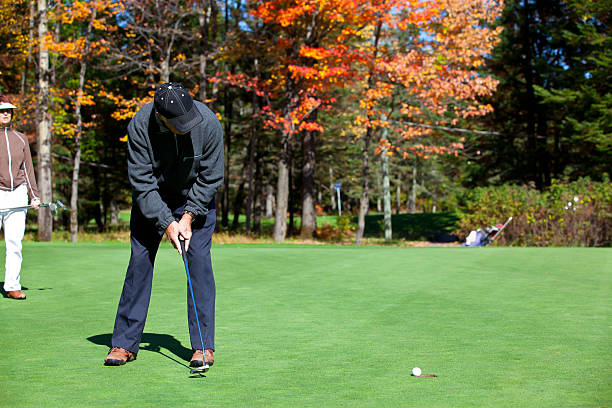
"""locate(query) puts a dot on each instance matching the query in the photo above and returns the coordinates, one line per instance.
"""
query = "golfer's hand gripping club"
(183, 251)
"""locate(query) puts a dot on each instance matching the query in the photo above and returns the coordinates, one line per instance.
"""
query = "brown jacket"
(16, 168)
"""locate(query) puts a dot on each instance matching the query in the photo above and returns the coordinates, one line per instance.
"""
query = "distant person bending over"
(17, 183)
(175, 165)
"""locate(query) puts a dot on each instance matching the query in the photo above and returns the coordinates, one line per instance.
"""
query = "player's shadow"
(23, 288)
(153, 342)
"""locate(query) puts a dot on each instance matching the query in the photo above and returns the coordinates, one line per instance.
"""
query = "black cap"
(174, 103)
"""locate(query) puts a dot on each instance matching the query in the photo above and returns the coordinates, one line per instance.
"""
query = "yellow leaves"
(99, 25)
(126, 108)
(70, 49)
(316, 53)
(86, 100)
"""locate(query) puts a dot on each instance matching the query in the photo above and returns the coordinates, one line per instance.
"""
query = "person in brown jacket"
(17, 183)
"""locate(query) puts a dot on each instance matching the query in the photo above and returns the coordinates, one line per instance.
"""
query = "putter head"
(201, 369)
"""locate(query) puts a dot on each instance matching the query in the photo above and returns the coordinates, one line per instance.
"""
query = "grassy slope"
(320, 326)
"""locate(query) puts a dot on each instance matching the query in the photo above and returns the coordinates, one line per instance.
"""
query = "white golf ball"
(416, 371)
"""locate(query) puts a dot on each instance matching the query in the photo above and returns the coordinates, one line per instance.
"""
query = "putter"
(205, 367)
(52, 207)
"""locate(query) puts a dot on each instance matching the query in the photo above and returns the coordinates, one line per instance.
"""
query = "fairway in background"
(320, 326)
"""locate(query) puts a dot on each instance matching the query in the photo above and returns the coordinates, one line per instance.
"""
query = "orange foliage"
(315, 53)
(439, 71)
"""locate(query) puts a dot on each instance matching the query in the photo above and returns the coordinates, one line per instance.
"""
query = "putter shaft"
(205, 367)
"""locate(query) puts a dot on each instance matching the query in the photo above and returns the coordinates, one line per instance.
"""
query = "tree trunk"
(206, 16)
(398, 202)
(291, 226)
(282, 196)
(259, 199)
(364, 200)
(531, 104)
(309, 214)
(413, 189)
(384, 156)
(282, 187)
(203, 77)
(165, 71)
(45, 220)
(270, 204)
(74, 196)
(238, 205)
(252, 150)
(115, 213)
(228, 148)
(251, 171)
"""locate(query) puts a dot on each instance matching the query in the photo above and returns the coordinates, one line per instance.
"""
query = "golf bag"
(485, 236)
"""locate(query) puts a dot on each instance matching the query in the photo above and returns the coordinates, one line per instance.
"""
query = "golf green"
(319, 326)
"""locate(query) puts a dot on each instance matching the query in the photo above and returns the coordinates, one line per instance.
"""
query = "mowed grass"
(320, 326)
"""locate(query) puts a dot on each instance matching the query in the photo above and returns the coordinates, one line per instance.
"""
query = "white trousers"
(14, 228)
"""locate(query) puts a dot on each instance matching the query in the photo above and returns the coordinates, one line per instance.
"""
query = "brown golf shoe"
(15, 294)
(197, 361)
(119, 356)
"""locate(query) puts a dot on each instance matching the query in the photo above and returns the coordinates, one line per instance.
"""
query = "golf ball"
(416, 371)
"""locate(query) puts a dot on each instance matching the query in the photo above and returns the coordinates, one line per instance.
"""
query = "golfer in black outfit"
(175, 165)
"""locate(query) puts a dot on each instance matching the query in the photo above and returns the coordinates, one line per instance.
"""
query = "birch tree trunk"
(398, 201)
(74, 195)
(413, 189)
(252, 149)
(45, 220)
(384, 156)
(364, 200)
(269, 201)
(282, 195)
(282, 186)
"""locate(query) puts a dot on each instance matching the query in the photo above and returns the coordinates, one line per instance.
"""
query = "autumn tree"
(151, 46)
(312, 56)
(16, 39)
(84, 24)
(429, 74)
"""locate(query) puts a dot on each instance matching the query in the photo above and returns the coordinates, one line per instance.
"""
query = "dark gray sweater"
(167, 170)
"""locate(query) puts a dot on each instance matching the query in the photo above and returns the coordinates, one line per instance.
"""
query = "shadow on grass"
(23, 288)
(153, 342)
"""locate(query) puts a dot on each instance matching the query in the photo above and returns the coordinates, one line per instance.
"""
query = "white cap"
(6, 105)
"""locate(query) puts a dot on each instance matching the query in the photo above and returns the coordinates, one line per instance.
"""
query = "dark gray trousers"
(134, 303)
